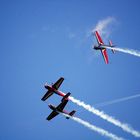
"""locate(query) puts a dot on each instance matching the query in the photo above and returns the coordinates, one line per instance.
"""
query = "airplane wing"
(105, 56)
(47, 95)
(52, 115)
(62, 105)
(58, 83)
(60, 108)
(99, 39)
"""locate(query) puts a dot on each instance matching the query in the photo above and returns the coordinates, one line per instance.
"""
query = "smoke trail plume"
(125, 50)
(95, 128)
(117, 100)
(106, 117)
(103, 26)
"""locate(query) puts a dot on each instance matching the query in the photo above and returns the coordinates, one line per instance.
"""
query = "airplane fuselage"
(102, 46)
(50, 88)
(99, 47)
(57, 110)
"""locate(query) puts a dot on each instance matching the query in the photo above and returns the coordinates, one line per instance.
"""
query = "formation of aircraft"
(53, 88)
(101, 47)
(60, 108)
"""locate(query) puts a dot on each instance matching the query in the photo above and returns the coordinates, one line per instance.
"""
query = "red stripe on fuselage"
(60, 93)
(64, 111)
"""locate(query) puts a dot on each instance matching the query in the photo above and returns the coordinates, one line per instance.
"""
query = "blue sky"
(43, 40)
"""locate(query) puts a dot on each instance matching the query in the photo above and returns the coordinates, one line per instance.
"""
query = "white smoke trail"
(95, 128)
(117, 100)
(125, 50)
(103, 26)
(106, 117)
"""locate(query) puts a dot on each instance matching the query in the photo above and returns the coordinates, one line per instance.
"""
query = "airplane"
(60, 108)
(53, 89)
(101, 47)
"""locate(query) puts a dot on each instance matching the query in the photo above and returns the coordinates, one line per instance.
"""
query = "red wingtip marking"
(99, 39)
(104, 52)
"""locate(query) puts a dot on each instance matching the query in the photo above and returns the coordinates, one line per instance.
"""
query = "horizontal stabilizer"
(111, 45)
(66, 97)
(71, 114)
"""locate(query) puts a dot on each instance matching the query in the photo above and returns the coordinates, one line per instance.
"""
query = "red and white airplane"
(101, 47)
(53, 89)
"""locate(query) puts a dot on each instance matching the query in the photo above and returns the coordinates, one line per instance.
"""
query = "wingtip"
(47, 119)
(62, 78)
(42, 99)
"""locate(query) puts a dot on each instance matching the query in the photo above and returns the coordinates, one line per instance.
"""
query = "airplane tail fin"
(111, 45)
(71, 114)
(66, 97)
